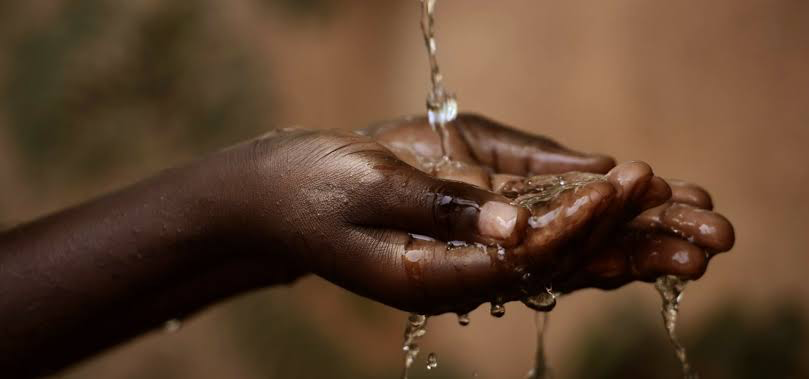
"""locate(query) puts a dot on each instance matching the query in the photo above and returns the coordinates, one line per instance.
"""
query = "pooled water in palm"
(415, 329)
(671, 290)
(441, 105)
(533, 193)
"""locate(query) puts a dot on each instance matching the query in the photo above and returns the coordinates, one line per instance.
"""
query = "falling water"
(541, 369)
(415, 329)
(671, 291)
(441, 105)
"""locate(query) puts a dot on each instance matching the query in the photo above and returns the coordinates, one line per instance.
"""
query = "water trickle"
(463, 319)
(671, 291)
(442, 107)
(432, 361)
(415, 329)
(541, 369)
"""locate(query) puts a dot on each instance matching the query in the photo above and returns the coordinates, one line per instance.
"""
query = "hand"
(676, 238)
(346, 208)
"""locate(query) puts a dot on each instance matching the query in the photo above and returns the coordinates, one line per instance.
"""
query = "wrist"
(237, 195)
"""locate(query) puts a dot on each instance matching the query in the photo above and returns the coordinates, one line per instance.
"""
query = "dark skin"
(353, 208)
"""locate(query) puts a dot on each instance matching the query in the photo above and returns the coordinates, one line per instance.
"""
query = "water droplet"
(501, 253)
(432, 361)
(542, 302)
(498, 309)
(172, 326)
(463, 319)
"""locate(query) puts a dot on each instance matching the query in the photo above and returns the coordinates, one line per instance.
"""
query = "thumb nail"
(497, 220)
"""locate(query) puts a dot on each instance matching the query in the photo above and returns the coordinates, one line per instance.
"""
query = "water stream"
(415, 329)
(441, 105)
(671, 292)
(541, 369)
(442, 108)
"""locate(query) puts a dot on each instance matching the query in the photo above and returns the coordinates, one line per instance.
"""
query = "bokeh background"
(95, 94)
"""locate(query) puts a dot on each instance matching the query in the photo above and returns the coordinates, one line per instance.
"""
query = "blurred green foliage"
(732, 342)
(278, 341)
(89, 90)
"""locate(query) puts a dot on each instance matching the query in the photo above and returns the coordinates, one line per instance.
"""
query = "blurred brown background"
(95, 94)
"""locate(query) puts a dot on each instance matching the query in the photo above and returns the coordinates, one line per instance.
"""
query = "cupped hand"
(381, 214)
(675, 238)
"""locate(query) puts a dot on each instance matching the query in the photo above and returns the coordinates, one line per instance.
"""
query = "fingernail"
(497, 220)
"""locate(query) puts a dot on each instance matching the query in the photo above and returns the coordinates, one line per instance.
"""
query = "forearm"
(82, 279)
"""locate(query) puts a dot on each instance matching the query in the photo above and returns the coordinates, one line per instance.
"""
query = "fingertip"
(560, 160)
(725, 236)
(628, 173)
(657, 193)
(706, 228)
(689, 193)
(631, 179)
(599, 163)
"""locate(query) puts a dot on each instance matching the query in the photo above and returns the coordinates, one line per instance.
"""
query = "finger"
(657, 192)
(511, 151)
(413, 137)
(655, 255)
(688, 193)
(419, 274)
(632, 181)
(407, 199)
(644, 257)
(573, 213)
(703, 227)
(635, 189)
(463, 172)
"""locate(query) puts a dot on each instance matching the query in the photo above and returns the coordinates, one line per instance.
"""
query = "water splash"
(415, 329)
(671, 292)
(432, 361)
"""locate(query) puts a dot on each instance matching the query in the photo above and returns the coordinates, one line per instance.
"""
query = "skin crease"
(367, 211)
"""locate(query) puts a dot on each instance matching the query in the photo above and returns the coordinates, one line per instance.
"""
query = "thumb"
(511, 151)
(410, 200)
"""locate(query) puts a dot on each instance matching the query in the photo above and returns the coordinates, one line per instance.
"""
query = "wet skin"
(368, 211)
